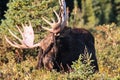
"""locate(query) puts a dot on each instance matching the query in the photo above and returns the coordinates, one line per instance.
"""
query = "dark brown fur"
(66, 48)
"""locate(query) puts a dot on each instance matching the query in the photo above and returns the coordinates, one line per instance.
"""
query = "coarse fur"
(65, 48)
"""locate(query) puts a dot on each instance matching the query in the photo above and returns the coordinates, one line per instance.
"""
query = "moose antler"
(27, 40)
(27, 35)
(58, 26)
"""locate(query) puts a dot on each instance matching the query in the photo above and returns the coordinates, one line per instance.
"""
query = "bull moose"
(61, 46)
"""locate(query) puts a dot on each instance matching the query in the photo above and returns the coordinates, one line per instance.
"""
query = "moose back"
(66, 48)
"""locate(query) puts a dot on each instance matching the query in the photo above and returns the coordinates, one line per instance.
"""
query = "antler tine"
(15, 36)
(23, 26)
(62, 18)
(47, 21)
(54, 25)
(19, 31)
(47, 29)
(10, 42)
(14, 44)
(27, 35)
(58, 17)
(30, 24)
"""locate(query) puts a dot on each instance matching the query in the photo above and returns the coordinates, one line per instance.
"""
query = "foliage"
(92, 11)
(98, 12)
(82, 70)
(106, 11)
(106, 37)
(22, 11)
(76, 17)
(109, 45)
(26, 70)
(88, 14)
(107, 51)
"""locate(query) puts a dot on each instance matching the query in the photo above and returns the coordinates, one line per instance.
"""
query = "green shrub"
(108, 49)
(82, 68)
(21, 11)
